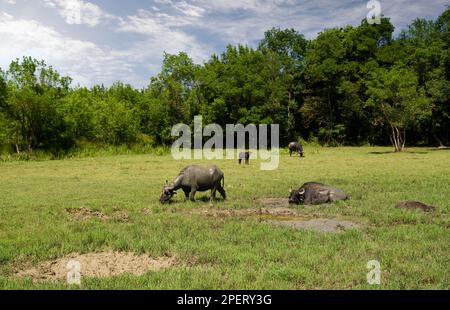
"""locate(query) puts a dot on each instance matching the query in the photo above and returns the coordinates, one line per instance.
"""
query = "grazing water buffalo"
(295, 147)
(195, 178)
(314, 193)
(246, 156)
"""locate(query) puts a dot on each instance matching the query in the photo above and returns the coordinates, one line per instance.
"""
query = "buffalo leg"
(213, 193)
(186, 193)
(192, 194)
(222, 192)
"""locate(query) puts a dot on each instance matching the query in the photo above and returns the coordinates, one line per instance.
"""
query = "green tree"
(285, 50)
(3, 88)
(427, 46)
(34, 89)
(337, 62)
(174, 85)
(115, 122)
(4, 124)
(397, 102)
(155, 119)
(78, 109)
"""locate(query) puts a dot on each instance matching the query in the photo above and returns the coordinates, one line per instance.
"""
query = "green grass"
(234, 253)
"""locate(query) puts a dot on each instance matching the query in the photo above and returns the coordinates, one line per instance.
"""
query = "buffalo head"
(167, 194)
(297, 196)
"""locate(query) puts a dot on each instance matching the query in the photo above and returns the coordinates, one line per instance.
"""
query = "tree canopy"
(350, 85)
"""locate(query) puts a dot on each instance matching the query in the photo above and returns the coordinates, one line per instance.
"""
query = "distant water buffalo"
(246, 156)
(297, 148)
(193, 179)
(313, 193)
(411, 205)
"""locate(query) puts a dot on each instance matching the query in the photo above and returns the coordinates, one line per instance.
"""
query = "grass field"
(413, 247)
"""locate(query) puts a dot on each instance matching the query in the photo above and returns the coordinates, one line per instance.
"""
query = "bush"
(334, 136)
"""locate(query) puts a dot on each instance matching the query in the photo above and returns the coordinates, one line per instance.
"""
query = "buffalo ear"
(302, 191)
(290, 191)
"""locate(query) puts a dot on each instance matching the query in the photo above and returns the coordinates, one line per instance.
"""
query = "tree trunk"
(398, 138)
(439, 141)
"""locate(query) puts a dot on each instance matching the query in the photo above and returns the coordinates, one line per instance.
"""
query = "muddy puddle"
(96, 265)
(317, 225)
(83, 214)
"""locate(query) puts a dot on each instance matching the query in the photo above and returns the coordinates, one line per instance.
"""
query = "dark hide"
(297, 148)
(314, 193)
(194, 179)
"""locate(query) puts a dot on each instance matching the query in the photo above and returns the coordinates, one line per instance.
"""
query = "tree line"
(348, 86)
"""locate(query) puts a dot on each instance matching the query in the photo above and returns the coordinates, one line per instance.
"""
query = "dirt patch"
(278, 216)
(97, 265)
(270, 207)
(274, 202)
(320, 225)
(147, 211)
(83, 214)
(415, 205)
(244, 212)
(121, 216)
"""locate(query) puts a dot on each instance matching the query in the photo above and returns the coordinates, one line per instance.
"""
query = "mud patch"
(147, 211)
(244, 212)
(415, 205)
(319, 225)
(270, 207)
(121, 216)
(83, 214)
(274, 202)
(97, 265)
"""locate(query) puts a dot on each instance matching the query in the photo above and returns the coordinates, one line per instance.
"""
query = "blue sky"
(102, 41)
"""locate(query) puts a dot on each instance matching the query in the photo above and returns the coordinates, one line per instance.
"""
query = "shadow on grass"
(394, 152)
(440, 149)
(202, 199)
(382, 153)
(207, 199)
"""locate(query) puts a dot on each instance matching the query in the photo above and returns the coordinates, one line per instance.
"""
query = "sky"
(103, 41)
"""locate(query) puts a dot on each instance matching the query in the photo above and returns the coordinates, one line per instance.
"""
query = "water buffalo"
(411, 205)
(195, 178)
(295, 147)
(313, 193)
(246, 156)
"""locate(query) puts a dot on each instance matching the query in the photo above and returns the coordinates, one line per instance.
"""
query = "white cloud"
(79, 12)
(163, 33)
(84, 61)
(198, 27)
(189, 9)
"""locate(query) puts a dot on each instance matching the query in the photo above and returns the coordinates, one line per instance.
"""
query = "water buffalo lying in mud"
(295, 147)
(195, 178)
(313, 193)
